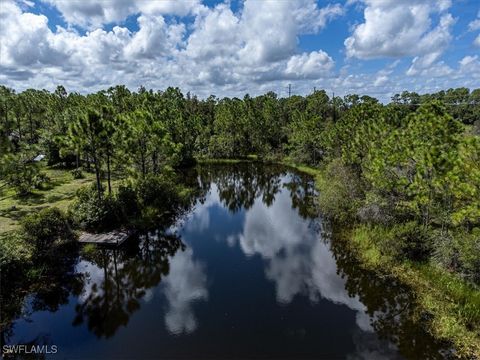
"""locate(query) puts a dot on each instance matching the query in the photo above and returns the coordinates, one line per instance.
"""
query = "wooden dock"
(116, 237)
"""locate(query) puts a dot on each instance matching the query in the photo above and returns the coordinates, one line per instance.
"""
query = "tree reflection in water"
(392, 307)
(243, 183)
(110, 300)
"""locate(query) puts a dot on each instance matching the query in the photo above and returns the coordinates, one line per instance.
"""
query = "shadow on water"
(277, 252)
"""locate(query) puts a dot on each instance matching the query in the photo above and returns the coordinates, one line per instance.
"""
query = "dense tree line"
(413, 163)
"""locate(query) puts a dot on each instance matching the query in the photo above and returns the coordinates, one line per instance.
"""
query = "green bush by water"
(90, 212)
(43, 228)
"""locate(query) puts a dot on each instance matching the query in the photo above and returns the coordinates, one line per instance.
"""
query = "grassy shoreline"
(453, 302)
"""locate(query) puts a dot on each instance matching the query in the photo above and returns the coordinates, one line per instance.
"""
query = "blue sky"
(228, 48)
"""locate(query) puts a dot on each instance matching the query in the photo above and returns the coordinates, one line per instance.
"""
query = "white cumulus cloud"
(395, 29)
(215, 46)
(224, 50)
(310, 65)
(474, 26)
(476, 42)
(94, 13)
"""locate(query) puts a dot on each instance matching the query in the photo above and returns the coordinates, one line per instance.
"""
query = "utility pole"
(289, 90)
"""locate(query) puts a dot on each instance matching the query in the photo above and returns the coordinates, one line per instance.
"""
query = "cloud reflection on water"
(298, 260)
(185, 284)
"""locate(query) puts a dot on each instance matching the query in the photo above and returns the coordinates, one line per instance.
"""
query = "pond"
(250, 271)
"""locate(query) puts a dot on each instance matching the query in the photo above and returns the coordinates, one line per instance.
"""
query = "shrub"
(157, 191)
(77, 173)
(43, 228)
(134, 203)
(127, 200)
(460, 252)
(90, 212)
(407, 241)
(19, 173)
(14, 251)
(340, 191)
(375, 209)
(89, 250)
(159, 197)
(40, 180)
(273, 157)
(221, 147)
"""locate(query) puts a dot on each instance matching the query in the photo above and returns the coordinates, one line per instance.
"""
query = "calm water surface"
(248, 272)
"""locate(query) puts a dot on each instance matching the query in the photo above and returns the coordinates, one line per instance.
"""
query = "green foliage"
(43, 228)
(406, 241)
(159, 192)
(360, 129)
(451, 302)
(88, 211)
(14, 251)
(340, 191)
(20, 173)
(306, 138)
(86, 134)
(248, 126)
(150, 196)
(41, 180)
(230, 138)
(420, 182)
(408, 171)
(414, 160)
(77, 173)
(460, 252)
(127, 201)
(464, 182)
(148, 145)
